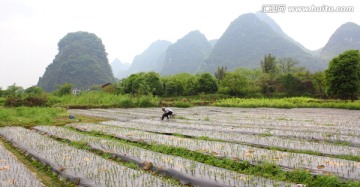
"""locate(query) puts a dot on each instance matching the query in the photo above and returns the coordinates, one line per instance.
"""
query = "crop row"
(195, 172)
(14, 173)
(264, 140)
(85, 167)
(316, 164)
(325, 121)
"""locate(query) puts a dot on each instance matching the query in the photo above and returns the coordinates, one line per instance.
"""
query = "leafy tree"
(13, 90)
(141, 84)
(174, 87)
(343, 75)
(318, 80)
(286, 65)
(268, 65)
(34, 90)
(206, 83)
(136, 84)
(64, 89)
(268, 85)
(154, 82)
(220, 73)
(292, 85)
(185, 83)
(234, 83)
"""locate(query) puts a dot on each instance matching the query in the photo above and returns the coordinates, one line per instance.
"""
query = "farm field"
(284, 143)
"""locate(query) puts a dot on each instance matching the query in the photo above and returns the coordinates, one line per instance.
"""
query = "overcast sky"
(31, 29)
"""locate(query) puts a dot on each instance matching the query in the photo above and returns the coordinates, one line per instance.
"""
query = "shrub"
(36, 100)
(182, 104)
(13, 101)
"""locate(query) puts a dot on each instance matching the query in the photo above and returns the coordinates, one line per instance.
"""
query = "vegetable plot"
(316, 164)
(262, 140)
(13, 172)
(84, 167)
(188, 171)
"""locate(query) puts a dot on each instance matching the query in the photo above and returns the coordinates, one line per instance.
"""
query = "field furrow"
(78, 165)
(263, 139)
(14, 173)
(316, 164)
(189, 171)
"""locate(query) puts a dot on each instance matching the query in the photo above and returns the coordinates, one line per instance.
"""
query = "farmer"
(167, 112)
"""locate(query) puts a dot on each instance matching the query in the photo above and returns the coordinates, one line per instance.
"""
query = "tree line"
(275, 78)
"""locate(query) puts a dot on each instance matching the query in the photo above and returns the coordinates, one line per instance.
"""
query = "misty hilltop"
(151, 59)
(346, 37)
(248, 39)
(119, 68)
(81, 61)
(243, 44)
(187, 54)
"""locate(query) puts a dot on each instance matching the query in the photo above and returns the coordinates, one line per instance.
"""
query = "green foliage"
(142, 84)
(34, 90)
(286, 65)
(64, 89)
(294, 102)
(30, 116)
(292, 85)
(152, 79)
(33, 96)
(99, 99)
(206, 83)
(13, 101)
(268, 65)
(36, 100)
(318, 80)
(13, 91)
(182, 104)
(148, 101)
(220, 73)
(179, 84)
(234, 83)
(343, 75)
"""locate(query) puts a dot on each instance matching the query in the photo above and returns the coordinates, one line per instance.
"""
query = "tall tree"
(286, 65)
(234, 83)
(343, 75)
(220, 73)
(268, 65)
(206, 83)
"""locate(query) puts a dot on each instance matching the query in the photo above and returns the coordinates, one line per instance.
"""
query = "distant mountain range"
(243, 44)
(119, 68)
(186, 54)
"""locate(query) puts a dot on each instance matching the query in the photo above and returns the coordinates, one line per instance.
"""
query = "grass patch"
(265, 134)
(33, 116)
(294, 102)
(103, 100)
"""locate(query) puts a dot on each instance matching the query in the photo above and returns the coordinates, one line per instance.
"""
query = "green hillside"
(81, 61)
